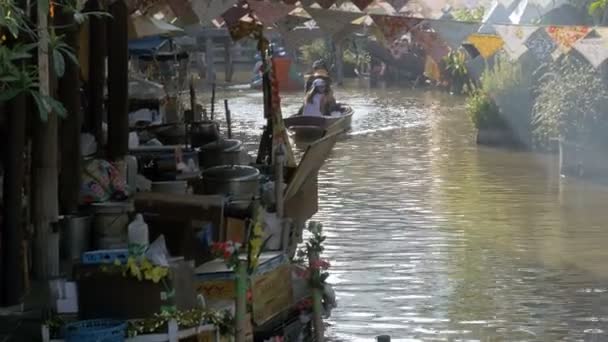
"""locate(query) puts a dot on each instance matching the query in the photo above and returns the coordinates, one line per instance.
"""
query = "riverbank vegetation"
(571, 104)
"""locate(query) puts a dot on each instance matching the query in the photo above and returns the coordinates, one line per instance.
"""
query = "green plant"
(470, 14)
(597, 6)
(510, 87)
(18, 76)
(456, 67)
(483, 111)
(570, 102)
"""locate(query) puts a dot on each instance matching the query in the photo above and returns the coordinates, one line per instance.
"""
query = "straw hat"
(320, 73)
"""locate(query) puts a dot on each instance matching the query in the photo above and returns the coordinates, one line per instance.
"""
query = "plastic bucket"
(110, 224)
(76, 236)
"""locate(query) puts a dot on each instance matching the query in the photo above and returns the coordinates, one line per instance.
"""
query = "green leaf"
(58, 63)
(9, 77)
(9, 94)
(56, 106)
(68, 52)
(42, 109)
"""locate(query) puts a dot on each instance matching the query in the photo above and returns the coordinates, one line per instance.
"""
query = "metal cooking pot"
(221, 152)
(204, 132)
(235, 181)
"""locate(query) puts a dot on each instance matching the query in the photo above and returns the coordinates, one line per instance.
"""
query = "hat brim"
(320, 74)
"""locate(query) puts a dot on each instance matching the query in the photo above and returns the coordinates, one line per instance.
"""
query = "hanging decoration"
(235, 13)
(541, 45)
(362, 4)
(394, 30)
(279, 132)
(453, 32)
(246, 27)
(595, 50)
(487, 44)
(432, 44)
(290, 22)
(208, 10)
(269, 13)
(334, 23)
(566, 36)
(515, 38)
(325, 3)
(397, 4)
(182, 9)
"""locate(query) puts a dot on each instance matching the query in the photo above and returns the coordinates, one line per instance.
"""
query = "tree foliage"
(20, 41)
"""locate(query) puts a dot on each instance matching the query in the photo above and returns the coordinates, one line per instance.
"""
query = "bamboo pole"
(212, 100)
(97, 71)
(193, 114)
(209, 59)
(241, 301)
(228, 119)
(118, 81)
(69, 95)
(228, 61)
(12, 225)
(44, 164)
(279, 160)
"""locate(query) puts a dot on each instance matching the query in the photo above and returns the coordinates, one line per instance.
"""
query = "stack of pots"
(221, 152)
(204, 132)
(238, 182)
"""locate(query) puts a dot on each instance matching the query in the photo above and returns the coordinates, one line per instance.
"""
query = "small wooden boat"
(314, 127)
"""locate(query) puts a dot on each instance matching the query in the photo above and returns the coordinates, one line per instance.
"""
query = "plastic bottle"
(138, 236)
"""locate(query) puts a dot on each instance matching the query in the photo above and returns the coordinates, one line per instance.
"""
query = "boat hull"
(314, 127)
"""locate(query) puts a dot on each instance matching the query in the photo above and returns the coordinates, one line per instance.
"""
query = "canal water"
(432, 238)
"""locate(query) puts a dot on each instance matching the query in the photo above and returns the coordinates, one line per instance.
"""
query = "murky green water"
(432, 238)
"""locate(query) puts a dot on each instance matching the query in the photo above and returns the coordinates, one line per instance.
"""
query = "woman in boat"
(319, 100)
(319, 70)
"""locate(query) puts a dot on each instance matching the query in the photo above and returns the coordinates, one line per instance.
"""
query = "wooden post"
(193, 114)
(69, 95)
(228, 61)
(12, 213)
(118, 81)
(279, 160)
(44, 163)
(339, 62)
(97, 72)
(212, 101)
(209, 59)
(317, 305)
(241, 300)
(228, 119)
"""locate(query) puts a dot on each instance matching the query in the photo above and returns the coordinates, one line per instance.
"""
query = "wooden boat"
(314, 127)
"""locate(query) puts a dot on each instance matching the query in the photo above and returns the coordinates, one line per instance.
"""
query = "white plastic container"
(138, 236)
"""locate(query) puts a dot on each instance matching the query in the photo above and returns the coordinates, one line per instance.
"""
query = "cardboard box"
(270, 285)
(236, 230)
(272, 293)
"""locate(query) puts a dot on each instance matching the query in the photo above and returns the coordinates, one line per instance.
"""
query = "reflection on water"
(432, 238)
